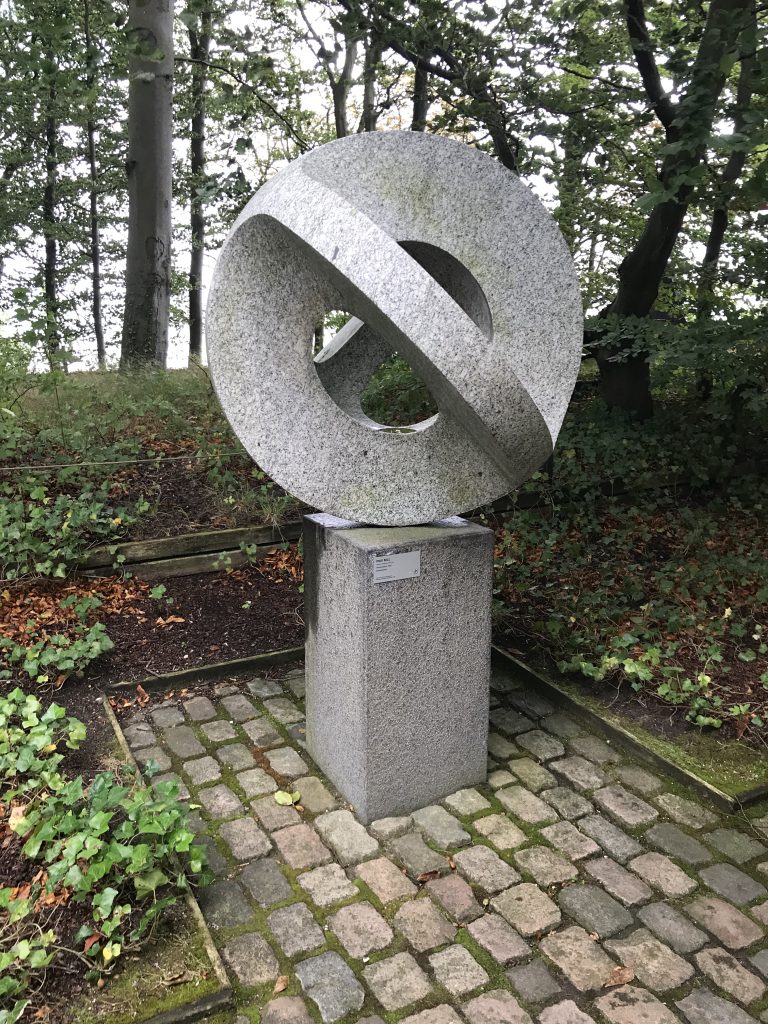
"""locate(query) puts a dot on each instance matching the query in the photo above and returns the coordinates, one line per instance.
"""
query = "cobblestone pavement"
(575, 887)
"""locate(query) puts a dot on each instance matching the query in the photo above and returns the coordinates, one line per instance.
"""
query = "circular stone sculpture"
(438, 253)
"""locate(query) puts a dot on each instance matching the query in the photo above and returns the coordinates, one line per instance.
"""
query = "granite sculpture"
(438, 253)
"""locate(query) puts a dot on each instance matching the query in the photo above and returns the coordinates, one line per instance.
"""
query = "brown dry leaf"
(143, 695)
(41, 1013)
(594, 936)
(619, 976)
(92, 939)
(281, 984)
(451, 863)
(169, 621)
(17, 815)
(427, 876)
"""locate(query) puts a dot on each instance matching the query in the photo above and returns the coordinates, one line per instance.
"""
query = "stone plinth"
(397, 669)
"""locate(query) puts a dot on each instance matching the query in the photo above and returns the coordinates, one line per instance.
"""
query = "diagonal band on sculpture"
(440, 254)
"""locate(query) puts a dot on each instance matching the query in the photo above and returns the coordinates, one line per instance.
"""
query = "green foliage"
(122, 849)
(395, 396)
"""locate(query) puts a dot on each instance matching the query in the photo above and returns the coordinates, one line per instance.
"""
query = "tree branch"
(642, 48)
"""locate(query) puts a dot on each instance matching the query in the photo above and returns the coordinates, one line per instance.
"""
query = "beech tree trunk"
(420, 97)
(52, 338)
(149, 171)
(90, 128)
(199, 45)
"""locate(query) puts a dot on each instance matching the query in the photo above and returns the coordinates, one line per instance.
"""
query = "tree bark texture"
(149, 171)
(199, 44)
(93, 192)
(420, 97)
(52, 338)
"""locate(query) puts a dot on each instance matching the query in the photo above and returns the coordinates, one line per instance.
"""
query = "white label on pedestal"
(402, 565)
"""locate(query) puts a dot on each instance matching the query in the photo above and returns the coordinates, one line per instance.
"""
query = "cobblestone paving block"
(224, 689)
(360, 929)
(728, 974)
(736, 846)
(654, 964)
(273, 815)
(315, 797)
(484, 868)
(704, 1007)
(580, 773)
(678, 844)
(155, 754)
(397, 982)
(566, 1012)
(497, 1007)
(285, 1010)
(330, 984)
(562, 725)
(224, 905)
(181, 741)
(526, 806)
(669, 925)
(500, 748)
(500, 831)
(496, 937)
(238, 707)
(527, 909)
(616, 880)
(594, 749)
(546, 866)
(510, 722)
(235, 756)
(455, 897)
(220, 802)
(251, 959)
(541, 745)
(443, 1014)
(568, 804)
(327, 885)
(218, 864)
(626, 808)
(346, 836)
(457, 970)
(300, 847)
(441, 827)
(218, 730)
(202, 770)
(182, 792)
(532, 775)
(613, 840)
(283, 710)
(530, 703)
(416, 856)
(534, 982)
(761, 912)
(295, 929)
(297, 685)
(566, 837)
(579, 957)
(663, 874)
(139, 734)
(423, 926)
(262, 688)
(199, 709)
(466, 802)
(385, 879)
(245, 839)
(285, 761)
(685, 812)
(728, 924)
(632, 1005)
(165, 717)
(594, 910)
(262, 733)
(390, 828)
(265, 882)
(256, 782)
(641, 781)
(732, 883)
(760, 961)
(500, 778)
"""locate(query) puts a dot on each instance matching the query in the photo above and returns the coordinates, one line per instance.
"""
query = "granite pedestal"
(397, 659)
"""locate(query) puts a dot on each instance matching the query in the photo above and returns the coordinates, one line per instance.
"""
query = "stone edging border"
(198, 1009)
(624, 738)
(212, 670)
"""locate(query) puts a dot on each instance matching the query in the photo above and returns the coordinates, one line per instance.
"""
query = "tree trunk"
(52, 338)
(372, 58)
(624, 383)
(199, 44)
(98, 327)
(149, 171)
(420, 98)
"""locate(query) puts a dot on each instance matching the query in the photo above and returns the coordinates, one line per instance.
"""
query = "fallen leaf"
(143, 695)
(281, 984)
(427, 876)
(91, 941)
(16, 819)
(619, 976)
